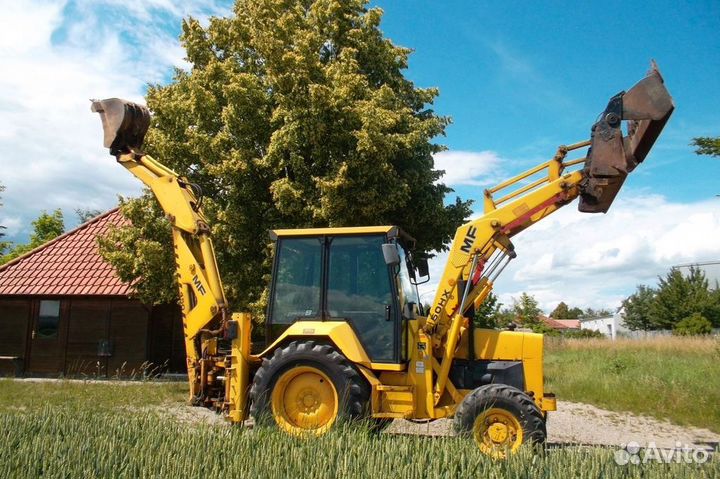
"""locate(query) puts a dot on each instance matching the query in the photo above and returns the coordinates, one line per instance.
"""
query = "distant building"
(561, 324)
(64, 311)
(610, 326)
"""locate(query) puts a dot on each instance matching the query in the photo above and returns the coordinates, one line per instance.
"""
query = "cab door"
(297, 282)
(360, 290)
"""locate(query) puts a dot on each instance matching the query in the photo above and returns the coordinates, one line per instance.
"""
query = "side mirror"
(391, 255)
(422, 267)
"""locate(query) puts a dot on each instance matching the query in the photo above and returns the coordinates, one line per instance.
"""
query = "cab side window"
(297, 286)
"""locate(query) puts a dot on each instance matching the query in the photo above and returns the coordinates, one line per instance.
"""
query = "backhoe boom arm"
(204, 307)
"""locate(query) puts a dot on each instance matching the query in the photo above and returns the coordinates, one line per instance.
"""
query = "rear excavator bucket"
(646, 108)
(124, 124)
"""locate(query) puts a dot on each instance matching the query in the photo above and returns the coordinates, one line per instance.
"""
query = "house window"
(48, 319)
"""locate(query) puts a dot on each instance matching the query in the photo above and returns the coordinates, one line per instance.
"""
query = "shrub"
(694, 325)
(584, 334)
(543, 328)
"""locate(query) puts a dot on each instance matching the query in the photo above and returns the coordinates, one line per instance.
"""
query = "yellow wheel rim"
(304, 401)
(497, 431)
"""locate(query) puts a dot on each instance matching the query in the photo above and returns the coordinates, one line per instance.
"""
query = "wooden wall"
(106, 337)
(14, 325)
(96, 336)
(167, 339)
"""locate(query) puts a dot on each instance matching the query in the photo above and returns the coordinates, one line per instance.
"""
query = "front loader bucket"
(124, 124)
(646, 108)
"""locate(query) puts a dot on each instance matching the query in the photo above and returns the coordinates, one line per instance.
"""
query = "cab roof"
(390, 231)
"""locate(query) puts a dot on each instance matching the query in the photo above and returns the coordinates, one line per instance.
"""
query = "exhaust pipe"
(124, 124)
(646, 108)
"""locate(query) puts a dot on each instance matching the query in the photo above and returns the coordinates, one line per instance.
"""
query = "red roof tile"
(68, 265)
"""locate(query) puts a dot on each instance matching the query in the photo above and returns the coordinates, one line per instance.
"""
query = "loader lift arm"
(482, 247)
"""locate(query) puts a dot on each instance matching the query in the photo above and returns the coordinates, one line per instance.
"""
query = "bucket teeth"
(124, 124)
(645, 108)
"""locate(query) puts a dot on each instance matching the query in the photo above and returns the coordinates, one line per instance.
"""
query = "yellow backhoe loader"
(346, 335)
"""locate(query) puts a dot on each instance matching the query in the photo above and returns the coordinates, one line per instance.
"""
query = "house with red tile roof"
(64, 311)
(562, 324)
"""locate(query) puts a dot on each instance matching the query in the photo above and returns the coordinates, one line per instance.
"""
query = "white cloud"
(597, 260)
(56, 55)
(468, 167)
(12, 225)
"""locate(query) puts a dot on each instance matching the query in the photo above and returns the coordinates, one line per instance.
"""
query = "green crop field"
(674, 378)
(75, 430)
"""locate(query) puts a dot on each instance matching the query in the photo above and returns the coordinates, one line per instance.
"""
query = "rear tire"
(500, 418)
(306, 388)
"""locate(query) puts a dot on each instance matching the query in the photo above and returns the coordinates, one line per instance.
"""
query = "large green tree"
(46, 227)
(293, 114)
(561, 311)
(527, 311)
(143, 248)
(636, 309)
(680, 296)
(486, 316)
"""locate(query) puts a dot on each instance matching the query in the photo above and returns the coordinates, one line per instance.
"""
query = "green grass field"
(75, 430)
(670, 378)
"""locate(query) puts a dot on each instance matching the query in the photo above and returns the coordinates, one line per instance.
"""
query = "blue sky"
(522, 80)
(518, 80)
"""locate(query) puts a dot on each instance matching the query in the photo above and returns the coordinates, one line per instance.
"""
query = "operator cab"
(342, 274)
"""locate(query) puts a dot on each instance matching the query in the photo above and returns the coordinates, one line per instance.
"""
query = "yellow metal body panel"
(515, 346)
(338, 332)
(499, 345)
(238, 372)
(549, 403)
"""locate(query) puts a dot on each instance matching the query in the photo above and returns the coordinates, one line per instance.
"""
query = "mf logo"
(199, 285)
(469, 239)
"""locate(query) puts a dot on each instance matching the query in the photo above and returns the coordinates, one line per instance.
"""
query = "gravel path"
(577, 423)
(572, 424)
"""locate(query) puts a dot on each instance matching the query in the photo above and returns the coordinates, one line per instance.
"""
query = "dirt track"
(577, 423)
(572, 424)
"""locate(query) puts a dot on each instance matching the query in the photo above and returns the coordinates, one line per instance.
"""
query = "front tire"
(305, 388)
(500, 418)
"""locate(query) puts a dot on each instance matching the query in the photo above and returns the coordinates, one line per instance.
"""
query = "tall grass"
(109, 430)
(72, 444)
(669, 377)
